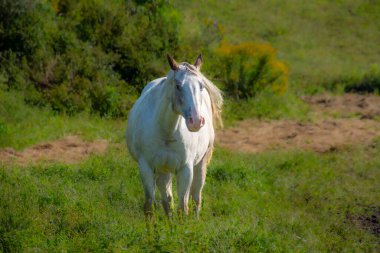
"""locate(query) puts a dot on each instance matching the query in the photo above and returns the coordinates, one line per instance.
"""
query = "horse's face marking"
(188, 98)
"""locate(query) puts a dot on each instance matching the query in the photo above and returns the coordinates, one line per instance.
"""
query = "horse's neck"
(166, 119)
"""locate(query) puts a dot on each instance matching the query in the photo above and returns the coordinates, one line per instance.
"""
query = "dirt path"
(340, 121)
(346, 105)
(70, 149)
(344, 120)
(328, 135)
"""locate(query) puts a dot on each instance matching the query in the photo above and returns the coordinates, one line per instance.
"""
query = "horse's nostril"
(191, 120)
(202, 120)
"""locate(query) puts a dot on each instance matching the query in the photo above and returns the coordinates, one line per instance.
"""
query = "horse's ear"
(198, 62)
(173, 64)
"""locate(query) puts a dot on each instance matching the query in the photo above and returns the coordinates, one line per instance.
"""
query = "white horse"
(171, 130)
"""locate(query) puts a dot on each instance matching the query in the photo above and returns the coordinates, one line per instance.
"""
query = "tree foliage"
(88, 54)
(97, 55)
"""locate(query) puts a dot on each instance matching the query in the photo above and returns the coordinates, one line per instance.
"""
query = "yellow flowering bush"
(249, 68)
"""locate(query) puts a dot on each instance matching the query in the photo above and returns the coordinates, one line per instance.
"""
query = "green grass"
(22, 125)
(319, 40)
(266, 106)
(283, 201)
(288, 201)
(41, 124)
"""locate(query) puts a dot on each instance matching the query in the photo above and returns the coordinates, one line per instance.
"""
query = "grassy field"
(288, 201)
(279, 201)
(22, 126)
(319, 40)
(275, 201)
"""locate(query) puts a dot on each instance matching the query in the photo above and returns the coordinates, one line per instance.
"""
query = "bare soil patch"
(328, 135)
(349, 119)
(70, 149)
(325, 135)
(364, 106)
(369, 221)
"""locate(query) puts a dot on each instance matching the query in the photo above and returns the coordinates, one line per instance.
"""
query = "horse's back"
(152, 84)
(146, 103)
(140, 113)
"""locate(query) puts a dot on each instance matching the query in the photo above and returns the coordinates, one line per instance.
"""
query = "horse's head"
(187, 95)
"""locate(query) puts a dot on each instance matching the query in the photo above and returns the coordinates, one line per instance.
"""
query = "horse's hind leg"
(199, 181)
(147, 179)
(164, 184)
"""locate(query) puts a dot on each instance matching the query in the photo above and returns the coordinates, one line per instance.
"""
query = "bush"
(249, 68)
(91, 55)
(97, 55)
(367, 82)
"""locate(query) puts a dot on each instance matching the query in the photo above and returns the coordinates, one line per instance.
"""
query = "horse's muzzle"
(195, 125)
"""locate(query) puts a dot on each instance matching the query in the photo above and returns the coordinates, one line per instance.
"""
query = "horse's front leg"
(164, 184)
(147, 179)
(184, 180)
(197, 185)
(199, 181)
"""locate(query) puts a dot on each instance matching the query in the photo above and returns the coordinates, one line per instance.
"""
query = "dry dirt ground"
(347, 105)
(340, 121)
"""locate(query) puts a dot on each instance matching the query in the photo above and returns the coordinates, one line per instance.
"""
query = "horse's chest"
(172, 152)
(169, 157)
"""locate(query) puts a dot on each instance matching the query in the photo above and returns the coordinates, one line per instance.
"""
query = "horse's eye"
(178, 87)
(201, 86)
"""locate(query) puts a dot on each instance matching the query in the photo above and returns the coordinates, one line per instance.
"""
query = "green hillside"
(319, 40)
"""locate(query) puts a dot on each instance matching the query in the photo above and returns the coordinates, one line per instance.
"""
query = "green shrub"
(20, 28)
(367, 82)
(152, 32)
(249, 68)
(93, 55)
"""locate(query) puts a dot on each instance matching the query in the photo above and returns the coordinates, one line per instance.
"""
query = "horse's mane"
(214, 92)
